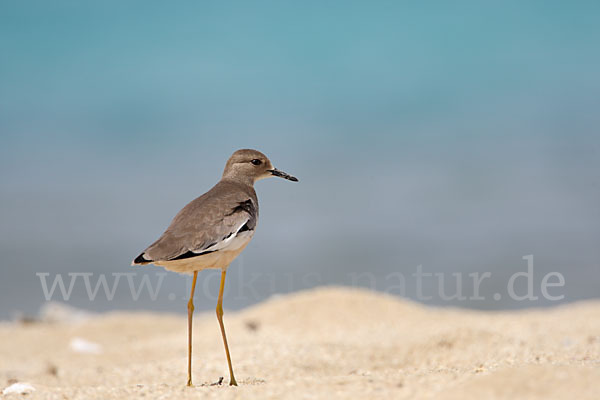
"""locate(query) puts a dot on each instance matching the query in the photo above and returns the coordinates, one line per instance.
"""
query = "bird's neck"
(240, 180)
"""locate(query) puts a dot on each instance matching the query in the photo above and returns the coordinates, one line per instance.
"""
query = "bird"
(212, 230)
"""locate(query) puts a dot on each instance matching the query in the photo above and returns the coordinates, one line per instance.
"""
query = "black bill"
(281, 174)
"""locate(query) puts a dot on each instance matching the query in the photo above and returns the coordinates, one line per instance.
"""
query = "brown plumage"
(212, 230)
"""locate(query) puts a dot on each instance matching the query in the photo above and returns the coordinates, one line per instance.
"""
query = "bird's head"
(251, 165)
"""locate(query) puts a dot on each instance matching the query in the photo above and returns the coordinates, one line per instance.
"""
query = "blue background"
(459, 136)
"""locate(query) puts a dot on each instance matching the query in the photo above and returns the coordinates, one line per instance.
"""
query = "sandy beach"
(323, 343)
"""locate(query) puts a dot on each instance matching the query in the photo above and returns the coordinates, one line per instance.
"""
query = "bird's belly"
(219, 259)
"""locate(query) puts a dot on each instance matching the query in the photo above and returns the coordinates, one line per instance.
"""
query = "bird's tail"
(141, 260)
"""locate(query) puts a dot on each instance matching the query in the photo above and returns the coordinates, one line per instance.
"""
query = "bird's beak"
(281, 174)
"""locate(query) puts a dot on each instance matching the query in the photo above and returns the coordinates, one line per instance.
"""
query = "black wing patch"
(244, 228)
(246, 206)
(141, 260)
(249, 208)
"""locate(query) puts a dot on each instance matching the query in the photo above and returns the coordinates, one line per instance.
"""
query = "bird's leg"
(190, 313)
(232, 381)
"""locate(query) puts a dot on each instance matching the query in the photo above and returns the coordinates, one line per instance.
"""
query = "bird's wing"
(204, 225)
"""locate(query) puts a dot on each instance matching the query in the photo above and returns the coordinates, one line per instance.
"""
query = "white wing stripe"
(225, 242)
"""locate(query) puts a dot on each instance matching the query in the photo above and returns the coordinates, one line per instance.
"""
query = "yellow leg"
(190, 313)
(232, 381)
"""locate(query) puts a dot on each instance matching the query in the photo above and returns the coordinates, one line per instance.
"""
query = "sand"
(323, 343)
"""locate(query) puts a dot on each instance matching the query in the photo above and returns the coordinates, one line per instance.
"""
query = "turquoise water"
(459, 136)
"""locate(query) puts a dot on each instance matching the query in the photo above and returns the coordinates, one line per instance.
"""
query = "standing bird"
(212, 230)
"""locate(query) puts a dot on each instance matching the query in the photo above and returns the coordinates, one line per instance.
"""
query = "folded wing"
(210, 223)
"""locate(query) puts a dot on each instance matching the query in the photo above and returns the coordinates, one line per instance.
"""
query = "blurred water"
(458, 136)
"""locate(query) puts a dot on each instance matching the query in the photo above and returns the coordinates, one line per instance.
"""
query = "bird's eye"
(256, 161)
